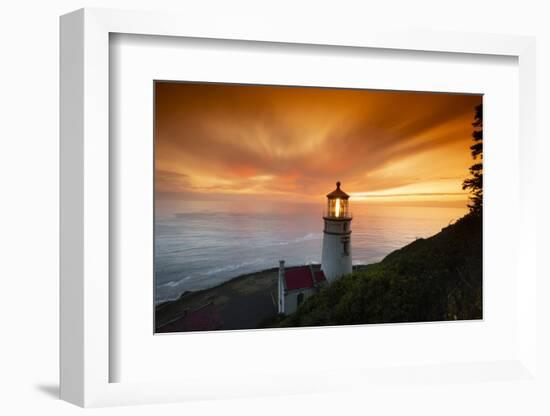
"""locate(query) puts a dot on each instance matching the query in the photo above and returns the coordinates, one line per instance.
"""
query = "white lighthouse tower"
(336, 257)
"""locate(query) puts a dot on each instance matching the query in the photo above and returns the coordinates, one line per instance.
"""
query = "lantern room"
(338, 204)
(336, 257)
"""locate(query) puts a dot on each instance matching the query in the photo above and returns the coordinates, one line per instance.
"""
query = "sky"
(231, 141)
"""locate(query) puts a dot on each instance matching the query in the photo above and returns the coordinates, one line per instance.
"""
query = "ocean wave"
(174, 283)
(307, 237)
(230, 267)
(209, 272)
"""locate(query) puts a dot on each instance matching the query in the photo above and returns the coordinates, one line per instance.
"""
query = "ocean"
(200, 244)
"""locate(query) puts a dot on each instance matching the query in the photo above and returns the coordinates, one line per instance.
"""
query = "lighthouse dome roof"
(337, 193)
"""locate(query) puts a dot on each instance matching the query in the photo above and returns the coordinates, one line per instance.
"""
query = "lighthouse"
(336, 256)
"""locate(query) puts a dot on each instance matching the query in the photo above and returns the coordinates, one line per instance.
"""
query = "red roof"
(320, 276)
(301, 277)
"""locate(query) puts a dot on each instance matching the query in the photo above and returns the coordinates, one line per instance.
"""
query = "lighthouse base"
(336, 255)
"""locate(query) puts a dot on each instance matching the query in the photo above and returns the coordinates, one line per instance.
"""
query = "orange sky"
(223, 141)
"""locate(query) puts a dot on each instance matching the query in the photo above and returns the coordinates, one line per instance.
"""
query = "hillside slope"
(433, 279)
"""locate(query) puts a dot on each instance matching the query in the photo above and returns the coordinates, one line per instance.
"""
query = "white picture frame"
(85, 210)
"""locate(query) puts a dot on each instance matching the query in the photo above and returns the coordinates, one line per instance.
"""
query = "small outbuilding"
(296, 284)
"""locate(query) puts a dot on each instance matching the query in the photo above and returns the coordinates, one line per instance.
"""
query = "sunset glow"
(222, 141)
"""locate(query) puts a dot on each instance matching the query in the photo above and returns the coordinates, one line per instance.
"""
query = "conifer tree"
(474, 184)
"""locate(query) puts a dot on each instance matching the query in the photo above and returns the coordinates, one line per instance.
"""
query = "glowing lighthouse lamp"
(336, 256)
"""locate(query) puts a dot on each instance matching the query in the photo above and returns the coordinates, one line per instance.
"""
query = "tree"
(474, 184)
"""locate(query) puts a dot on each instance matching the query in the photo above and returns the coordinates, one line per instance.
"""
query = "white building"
(296, 284)
(336, 256)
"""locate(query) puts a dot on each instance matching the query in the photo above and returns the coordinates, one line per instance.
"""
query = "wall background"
(29, 116)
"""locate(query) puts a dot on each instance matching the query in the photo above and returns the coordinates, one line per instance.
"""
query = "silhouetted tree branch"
(475, 182)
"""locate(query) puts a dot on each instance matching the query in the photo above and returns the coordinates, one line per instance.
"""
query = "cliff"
(433, 279)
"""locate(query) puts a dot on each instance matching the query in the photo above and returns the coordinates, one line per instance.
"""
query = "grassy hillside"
(433, 279)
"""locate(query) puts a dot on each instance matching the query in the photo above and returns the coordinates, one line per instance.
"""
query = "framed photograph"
(270, 212)
(253, 229)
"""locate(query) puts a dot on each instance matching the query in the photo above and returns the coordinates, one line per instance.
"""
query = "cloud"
(168, 181)
(408, 195)
(290, 142)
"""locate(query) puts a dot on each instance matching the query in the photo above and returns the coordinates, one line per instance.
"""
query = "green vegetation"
(433, 279)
